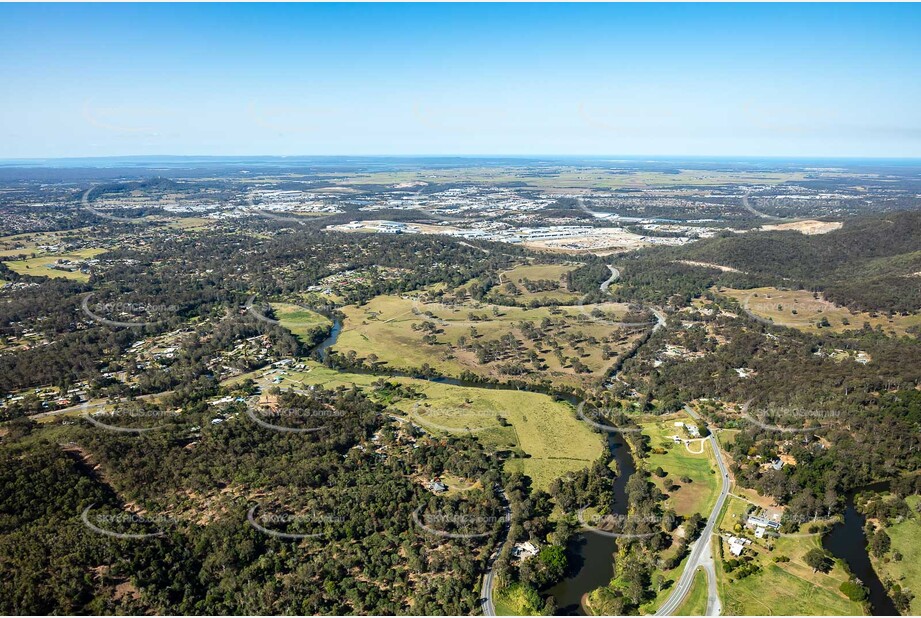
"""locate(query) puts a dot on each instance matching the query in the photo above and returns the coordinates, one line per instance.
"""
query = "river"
(846, 541)
(591, 555)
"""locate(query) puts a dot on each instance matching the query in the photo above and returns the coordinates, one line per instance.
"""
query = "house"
(777, 464)
(755, 521)
(437, 487)
(737, 544)
(759, 532)
(523, 551)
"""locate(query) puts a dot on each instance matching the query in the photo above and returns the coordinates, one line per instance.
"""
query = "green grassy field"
(695, 604)
(39, 266)
(780, 588)
(779, 305)
(906, 539)
(677, 461)
(538, 272)
(384, 327)
(301, 322)
(548, 431)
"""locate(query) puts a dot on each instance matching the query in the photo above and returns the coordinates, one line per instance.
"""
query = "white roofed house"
(437, 487)
(737, 544)
(525, 550)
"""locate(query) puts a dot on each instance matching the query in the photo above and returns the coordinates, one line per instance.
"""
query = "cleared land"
(798, 309)
(521, 276)
(808, 227)
(41, 266)
(394, 329)
(548, 434)
(677, 460)
(780, 588)
(301, 322)
(601, 241)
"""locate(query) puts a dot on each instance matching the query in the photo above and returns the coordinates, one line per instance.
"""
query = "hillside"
(871, 263)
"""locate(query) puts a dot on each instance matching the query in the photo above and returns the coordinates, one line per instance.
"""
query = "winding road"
(701, 551)
(486, 602)
(615, 275)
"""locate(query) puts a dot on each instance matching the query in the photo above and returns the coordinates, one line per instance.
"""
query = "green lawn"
(677, 461)
(695, 604)
(40, 266)
(301, 322)
(780, 588)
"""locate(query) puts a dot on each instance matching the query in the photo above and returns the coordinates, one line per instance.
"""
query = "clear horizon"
(829, 81)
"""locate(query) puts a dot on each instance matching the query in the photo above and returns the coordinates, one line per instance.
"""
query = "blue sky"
(595, 79)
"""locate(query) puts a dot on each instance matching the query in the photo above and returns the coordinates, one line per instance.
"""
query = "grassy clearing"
(538, 272)
(695, 604)
(780, 588)
(779, 306)
(301, 322)
(696, 496)
(190, 223)
(384, 327)
(906, 539)
(27, 243)
(41, 266)
(547, 432)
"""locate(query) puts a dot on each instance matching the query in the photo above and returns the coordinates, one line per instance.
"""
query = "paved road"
(615, 275)
(660, 318)
(489, 609)
(701, 554)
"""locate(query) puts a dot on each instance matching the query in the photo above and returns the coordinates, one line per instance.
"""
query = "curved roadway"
(701, 554)
(489, 608)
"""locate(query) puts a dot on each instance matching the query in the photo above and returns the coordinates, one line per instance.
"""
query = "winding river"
(847, 541)
(591, 555)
